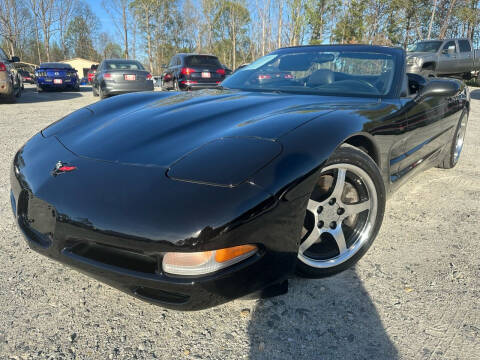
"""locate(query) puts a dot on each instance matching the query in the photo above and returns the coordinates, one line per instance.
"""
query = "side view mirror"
(449, 51)
(442, 88)
(15, 59)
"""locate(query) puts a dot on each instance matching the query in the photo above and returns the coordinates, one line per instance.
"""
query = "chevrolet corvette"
(192, 199)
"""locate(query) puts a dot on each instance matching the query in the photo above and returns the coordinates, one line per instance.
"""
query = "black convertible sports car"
(192, 199)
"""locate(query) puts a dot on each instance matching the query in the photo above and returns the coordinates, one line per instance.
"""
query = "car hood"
(159, 128)
(420, 54)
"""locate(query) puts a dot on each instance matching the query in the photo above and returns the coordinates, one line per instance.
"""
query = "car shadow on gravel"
(30, 95)
(475, 94)
(332, 318)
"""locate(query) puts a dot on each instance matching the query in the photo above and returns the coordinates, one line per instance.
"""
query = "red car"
(91, 73)
(26, 76)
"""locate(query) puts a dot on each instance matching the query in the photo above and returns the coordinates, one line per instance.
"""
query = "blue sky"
(105, 20)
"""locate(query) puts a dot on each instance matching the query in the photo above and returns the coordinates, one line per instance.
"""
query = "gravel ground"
(415, 295)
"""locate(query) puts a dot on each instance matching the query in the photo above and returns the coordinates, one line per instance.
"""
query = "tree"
(13, 19)
(64, 10)
(45, 16)
(231, 27)
(317, 12)
(351, 27)
(143, 11)
(119, 12)
(81, 32)
(296, 21)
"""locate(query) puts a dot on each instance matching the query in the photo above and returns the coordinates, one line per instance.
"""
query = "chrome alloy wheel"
(340, 216)
(459, 139)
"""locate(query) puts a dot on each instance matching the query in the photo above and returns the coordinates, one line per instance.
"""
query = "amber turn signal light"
(204, 262)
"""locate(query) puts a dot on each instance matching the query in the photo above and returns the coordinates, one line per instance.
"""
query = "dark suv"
(192, 71)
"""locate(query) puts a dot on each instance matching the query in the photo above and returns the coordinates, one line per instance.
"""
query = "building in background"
(81, 65)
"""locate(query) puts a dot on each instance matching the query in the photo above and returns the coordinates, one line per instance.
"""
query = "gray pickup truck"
(449, 57)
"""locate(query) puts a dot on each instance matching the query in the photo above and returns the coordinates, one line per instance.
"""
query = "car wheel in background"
(343, 215)
(12, 98)
(19, 91)
(428, 73)
(455, 149)
(101, 93)
(94, 91)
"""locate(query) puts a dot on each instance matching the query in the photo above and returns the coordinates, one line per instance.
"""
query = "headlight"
(200, 263)
(414, 61)
(226, 161)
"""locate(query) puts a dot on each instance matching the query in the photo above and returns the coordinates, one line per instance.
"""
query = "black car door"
(430, 125)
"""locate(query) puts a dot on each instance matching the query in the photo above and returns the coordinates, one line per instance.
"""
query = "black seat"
(320, 77)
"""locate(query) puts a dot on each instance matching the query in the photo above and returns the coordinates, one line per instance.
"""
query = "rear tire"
(454, 151)
(337, 229)
(19, 92)
(10, 99)
(101, 93)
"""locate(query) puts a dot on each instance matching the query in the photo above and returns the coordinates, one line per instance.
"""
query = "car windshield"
(202, 60)
(124, 65)
(320, 72)
(55, 66)
(426, 46)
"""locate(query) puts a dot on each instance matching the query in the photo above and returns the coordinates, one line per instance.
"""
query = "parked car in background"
(449, 57)
(26, 77)
(10, 79)
(57, 76)
(192, 71)
(119, 76)
(157, 81)
(91, 73)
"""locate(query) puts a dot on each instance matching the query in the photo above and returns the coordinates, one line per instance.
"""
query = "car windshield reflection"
(322, 72)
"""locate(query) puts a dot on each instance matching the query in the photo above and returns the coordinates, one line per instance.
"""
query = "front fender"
(293, 174)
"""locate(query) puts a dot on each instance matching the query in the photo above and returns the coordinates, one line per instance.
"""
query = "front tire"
(428, 73)
(343, 215)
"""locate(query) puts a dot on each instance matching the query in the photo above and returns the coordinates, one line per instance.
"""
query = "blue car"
(56, 76)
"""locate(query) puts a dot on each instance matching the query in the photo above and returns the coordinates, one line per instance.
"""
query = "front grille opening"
(161, 296)
(120, 258)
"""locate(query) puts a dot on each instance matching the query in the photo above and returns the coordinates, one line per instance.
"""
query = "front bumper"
(117, 231)
(49, 83)
(198, 86)
(414, 69)
(112, 88)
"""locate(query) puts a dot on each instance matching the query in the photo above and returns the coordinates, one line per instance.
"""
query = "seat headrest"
(321, 77)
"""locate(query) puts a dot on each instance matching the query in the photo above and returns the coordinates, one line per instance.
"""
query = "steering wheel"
(367, 84)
